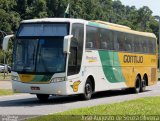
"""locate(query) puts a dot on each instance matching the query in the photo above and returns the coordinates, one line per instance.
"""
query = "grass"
(143, 106)
(4, 92)
(7, 76)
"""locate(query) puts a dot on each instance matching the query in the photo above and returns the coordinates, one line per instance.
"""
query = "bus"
(66, 56)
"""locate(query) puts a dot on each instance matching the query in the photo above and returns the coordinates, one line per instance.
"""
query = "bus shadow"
(112, 93)
(58, 100)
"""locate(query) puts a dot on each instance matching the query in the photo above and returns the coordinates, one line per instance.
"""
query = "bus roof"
(121, 28)
(97, 23)
(54, 20)
(111, 24)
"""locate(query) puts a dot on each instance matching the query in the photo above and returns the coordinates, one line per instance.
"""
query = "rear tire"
(137, 87)
(42, 97)
(88, 90)
(143, 85)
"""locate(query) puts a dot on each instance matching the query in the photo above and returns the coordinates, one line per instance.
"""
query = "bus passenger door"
(76, 49)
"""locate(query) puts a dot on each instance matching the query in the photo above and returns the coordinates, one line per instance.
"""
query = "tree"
(38, 9)
(154, 26)
(4, 20)
(9, 18)
(56, 8)
(106, 11)
(144, 15)
(7, 5)
(21, 7)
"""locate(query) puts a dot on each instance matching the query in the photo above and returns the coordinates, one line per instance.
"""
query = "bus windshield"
(39, 48)
(39, 55)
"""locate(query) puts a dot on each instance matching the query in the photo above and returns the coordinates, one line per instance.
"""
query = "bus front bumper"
(59, 88)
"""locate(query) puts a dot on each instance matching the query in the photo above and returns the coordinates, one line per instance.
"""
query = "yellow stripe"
(26, 78)
(133, 64)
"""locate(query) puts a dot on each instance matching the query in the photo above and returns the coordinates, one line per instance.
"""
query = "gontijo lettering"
(132, 59)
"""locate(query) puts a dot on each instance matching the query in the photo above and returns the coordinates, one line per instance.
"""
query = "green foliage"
(148, 106)
(56, 8)
(13, 11)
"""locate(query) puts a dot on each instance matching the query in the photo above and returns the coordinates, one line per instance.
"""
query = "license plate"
(35, 88)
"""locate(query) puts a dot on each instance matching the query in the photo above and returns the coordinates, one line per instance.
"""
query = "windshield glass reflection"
(39, 55)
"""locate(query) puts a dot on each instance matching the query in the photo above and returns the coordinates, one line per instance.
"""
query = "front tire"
(42, 97)
(88, 90)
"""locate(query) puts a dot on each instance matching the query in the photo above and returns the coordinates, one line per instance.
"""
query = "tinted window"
(154, 45)
(121, 41)
(136, 44)
(99, 38)
(151, 45)
(76, 49)
(145, 46)
(129, 43)
(39, 55)
(46, 29)
(106, 39)
(92, 37)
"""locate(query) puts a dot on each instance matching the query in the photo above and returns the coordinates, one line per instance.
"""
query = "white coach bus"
(64, 56)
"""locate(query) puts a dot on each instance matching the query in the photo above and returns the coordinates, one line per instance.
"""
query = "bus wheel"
(137, 87)
(88, 90)
(42, 97)
(143, 85)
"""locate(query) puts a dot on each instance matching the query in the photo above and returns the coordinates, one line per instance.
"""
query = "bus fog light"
(14, 78)
(57, 79)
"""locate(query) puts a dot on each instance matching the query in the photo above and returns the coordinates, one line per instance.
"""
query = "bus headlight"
(57, 79)
(14, 78)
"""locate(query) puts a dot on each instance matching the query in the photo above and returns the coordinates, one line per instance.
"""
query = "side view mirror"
(5, 42)
(66, 43)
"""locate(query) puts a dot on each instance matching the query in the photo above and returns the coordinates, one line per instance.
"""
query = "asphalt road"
(26, 104)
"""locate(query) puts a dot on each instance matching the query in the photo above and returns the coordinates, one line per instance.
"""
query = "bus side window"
(73, 52)
(128, 47)
(97, 39)
(145, 45)
(116, 42)
(89, 44)
(91, 38)
(136, 44)
(116, 46)
(153, 42)
(103, 42)
(140, 45)
(121, 41)
(150, 46)
(154, 45)
(104, 45)
(110, 40)
(128, 43)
